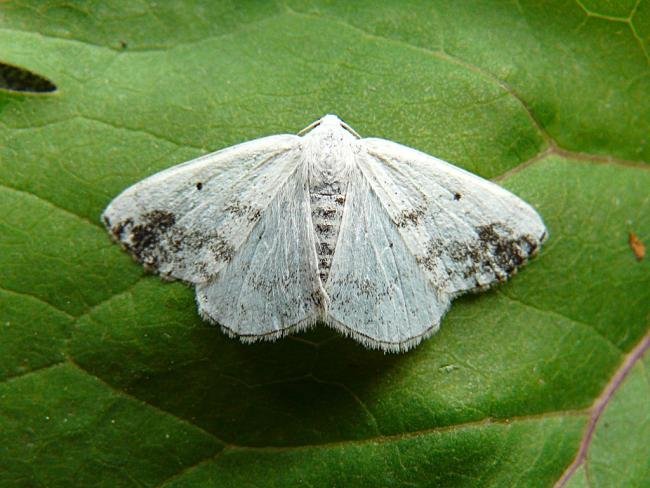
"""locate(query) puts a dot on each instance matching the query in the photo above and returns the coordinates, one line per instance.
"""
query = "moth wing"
(378, 293)
(465, 232)
(271, 287)
(188, 221)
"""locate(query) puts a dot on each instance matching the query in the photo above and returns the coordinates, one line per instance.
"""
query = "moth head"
(329, 122)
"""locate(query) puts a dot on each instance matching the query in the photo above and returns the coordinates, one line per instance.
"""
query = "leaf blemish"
(15, 78)
(637, 246)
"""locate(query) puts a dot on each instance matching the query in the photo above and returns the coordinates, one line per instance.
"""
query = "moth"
(368, 236)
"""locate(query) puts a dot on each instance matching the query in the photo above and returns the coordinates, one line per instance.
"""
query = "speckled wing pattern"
(416, 233)
(188, 221)
(466, 233)
(271, 287)
(368, 236)
(379, 294)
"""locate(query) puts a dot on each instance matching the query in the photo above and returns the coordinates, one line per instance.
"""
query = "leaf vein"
(29, 194)
(576, 322)
(38, 299)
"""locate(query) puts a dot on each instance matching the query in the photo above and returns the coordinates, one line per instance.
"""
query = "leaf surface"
(109, 378)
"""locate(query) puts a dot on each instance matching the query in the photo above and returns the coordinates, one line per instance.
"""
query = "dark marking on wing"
(199, 185)
(410, 217)
(362, 286)
(157, 239)
(509, 253)
(242, 209)
(457, 196)
(143, 238)
(495, 251)
(221, 250)
(118, 230)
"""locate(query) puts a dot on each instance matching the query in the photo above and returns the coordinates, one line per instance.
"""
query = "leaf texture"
(110, 378)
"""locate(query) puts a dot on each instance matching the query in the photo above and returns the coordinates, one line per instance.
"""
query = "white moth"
(368, 236)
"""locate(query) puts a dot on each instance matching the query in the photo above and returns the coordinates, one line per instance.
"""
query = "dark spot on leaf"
(19, 79)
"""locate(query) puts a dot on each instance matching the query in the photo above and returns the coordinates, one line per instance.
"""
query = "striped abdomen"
(327, 203)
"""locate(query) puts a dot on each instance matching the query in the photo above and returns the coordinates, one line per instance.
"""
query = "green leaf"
(619, 431)
(109, 378)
